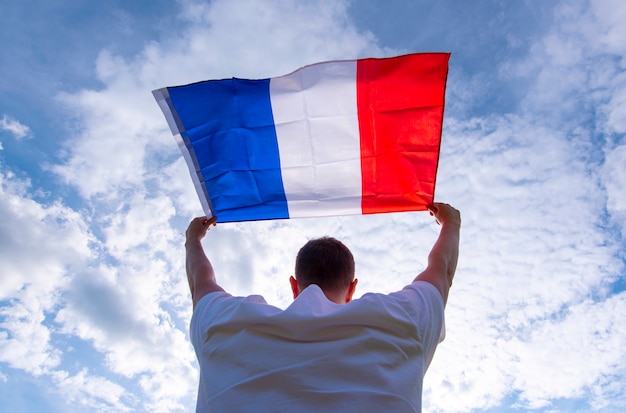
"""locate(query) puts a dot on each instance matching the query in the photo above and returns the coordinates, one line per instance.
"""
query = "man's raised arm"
(199, 269)
(444, 254)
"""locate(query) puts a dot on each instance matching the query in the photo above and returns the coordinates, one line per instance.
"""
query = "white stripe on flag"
(315, 113)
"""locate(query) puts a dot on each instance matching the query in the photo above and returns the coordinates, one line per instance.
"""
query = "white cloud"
(30, 236)
(581, 350)
(580, 69)
(532, 247)
(95, 392)
(14, 127)
(47, 268)
(614, 178)
(139, 333)
(610, 16)
(617, 108)
(41, 246)
(534, 319)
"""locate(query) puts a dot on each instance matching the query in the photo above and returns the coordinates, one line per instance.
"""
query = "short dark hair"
(326, 262)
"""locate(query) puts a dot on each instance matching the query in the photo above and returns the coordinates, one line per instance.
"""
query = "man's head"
(328, 263)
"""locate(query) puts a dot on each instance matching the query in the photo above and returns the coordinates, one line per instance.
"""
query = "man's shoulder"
(220, 302)
(423, 287)
(415, 290)
(222, 296)
(424, 293)
(220, 307)
(417, 301)
(212, 297)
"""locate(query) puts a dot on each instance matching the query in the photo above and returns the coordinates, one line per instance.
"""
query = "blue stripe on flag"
(229, 125)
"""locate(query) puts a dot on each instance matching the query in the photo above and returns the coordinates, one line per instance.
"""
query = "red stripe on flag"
(400, 107)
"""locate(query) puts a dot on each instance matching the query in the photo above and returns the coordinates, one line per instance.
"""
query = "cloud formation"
(14, 127)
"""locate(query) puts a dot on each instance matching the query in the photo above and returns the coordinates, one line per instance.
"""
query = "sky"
(95, 196)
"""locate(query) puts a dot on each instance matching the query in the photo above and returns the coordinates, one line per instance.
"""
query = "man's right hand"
(444, 213)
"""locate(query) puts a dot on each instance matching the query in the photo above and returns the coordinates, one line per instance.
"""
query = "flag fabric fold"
(333, 138)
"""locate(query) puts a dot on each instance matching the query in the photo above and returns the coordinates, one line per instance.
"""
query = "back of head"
(326, 262)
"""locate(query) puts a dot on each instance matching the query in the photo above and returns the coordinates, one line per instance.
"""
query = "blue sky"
(95, 196)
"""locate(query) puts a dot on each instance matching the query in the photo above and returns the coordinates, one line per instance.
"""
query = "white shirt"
(316, 356)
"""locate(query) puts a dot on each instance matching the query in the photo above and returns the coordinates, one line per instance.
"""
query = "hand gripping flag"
(333, 138)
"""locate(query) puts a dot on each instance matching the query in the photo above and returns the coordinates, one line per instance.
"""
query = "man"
(325, 352)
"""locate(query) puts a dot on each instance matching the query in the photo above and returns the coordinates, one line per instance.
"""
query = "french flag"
(333, 138)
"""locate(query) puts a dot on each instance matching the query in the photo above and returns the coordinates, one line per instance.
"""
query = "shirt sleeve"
(215, 307)
(429, 315)
(201, 318)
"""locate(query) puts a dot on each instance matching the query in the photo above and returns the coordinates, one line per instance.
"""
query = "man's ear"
(351, 289)
(294, 286)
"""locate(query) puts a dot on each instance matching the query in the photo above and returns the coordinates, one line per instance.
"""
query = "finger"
(209, 221)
